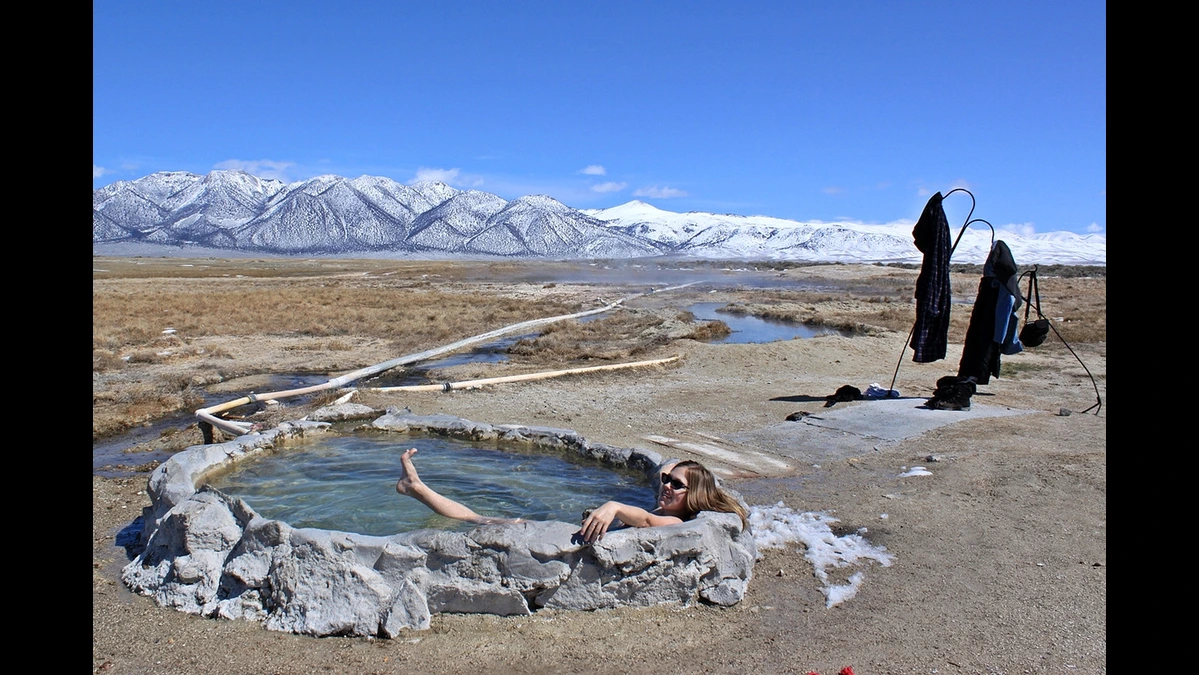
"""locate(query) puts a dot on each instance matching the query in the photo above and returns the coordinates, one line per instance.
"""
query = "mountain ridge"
(331, 215)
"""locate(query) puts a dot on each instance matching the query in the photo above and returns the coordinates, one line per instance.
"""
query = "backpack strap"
(1034, 291)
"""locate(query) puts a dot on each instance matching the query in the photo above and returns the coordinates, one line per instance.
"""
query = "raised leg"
(410, 484)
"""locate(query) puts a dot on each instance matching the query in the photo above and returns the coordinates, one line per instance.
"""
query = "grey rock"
(473, 597)
(409, 610)
(342, 412)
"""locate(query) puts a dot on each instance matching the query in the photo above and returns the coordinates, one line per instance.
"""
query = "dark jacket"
(988, 336)
(930, 335)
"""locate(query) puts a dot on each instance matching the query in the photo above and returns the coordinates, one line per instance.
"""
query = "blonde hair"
(703, 494)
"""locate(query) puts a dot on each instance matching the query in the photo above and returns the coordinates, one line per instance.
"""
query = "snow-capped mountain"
(708, 235)
(331, 215)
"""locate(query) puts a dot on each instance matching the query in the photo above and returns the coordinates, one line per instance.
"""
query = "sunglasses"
(673, 482)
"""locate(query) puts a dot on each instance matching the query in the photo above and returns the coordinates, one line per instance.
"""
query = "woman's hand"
(596, 524)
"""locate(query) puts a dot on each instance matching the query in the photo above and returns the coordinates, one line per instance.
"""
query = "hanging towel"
(930, 335)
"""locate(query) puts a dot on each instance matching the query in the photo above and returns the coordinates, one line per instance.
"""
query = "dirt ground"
(1000, 555)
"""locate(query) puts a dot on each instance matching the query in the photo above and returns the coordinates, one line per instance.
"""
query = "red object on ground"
(846, 671)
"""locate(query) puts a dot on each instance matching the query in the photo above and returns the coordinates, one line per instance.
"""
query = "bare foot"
(409, 480)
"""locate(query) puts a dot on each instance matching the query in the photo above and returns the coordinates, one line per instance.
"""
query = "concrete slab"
(898, 419)
(858, 427)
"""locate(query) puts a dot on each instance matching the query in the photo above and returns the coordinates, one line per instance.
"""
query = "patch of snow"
(778, 525)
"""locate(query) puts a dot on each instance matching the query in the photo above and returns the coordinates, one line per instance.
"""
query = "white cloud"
(595, 170)
(262, 168)
(833, 190)
(453, 177)
(659, 192)
(1094, 227)
(98, 171)
(609, 187)
(1022, 229)
(444, 175)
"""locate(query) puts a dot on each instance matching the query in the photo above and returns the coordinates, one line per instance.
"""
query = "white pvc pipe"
(208, 414)
(473, 384)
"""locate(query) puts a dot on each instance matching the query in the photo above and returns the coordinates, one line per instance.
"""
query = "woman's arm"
(596, 524)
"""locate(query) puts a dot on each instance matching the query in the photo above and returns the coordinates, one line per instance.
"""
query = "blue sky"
(800, 110)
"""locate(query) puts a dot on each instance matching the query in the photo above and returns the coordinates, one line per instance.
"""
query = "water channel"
(755, 330)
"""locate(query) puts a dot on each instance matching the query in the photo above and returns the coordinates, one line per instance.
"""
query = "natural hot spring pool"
(347, 483)
(205, 551)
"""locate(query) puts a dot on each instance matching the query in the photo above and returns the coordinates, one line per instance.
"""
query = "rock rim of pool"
(204, 552)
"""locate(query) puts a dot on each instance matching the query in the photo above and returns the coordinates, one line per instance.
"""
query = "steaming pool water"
(347, 483)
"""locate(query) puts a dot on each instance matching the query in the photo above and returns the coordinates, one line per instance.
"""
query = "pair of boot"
(952, 393)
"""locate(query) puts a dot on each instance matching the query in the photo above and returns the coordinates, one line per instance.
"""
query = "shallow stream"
(755, 330)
